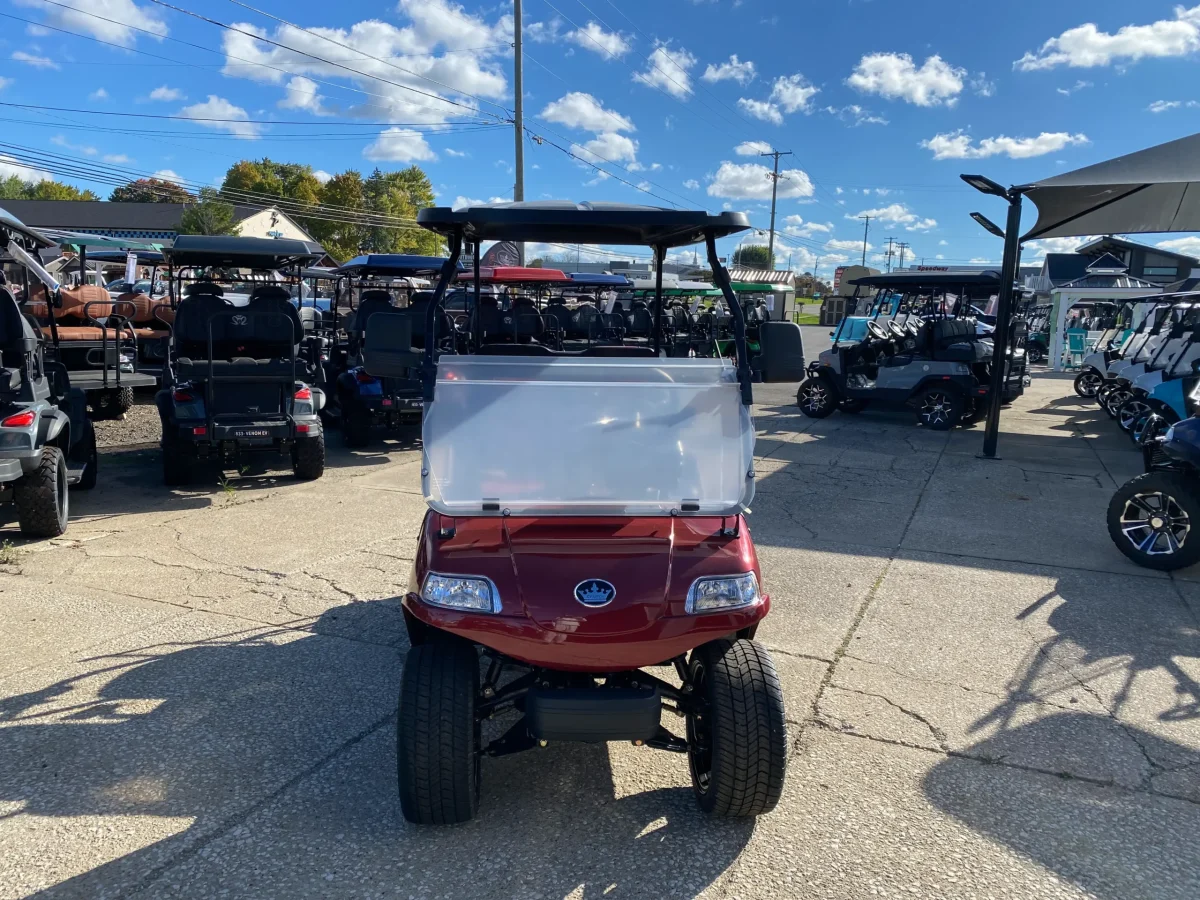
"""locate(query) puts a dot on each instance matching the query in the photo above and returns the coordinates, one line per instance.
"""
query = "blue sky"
(882, 105)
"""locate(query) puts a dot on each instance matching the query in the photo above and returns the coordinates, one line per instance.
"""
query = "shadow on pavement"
(189, 746)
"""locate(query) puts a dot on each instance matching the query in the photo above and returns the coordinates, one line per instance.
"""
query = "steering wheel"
(896, 329)
(913, 326)
(876, 330)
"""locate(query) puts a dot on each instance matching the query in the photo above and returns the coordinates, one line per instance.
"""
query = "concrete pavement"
(197, 690)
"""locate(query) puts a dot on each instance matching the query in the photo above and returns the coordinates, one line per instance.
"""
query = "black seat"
(369, 303)
(274, 326)
(585, 322)
(953, 340)
(418, 310)
(526, 320)
(558, 314)
(639, 322)
(192, 323)
(487, 321)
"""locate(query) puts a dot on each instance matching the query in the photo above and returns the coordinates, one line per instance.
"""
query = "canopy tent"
(1154, 190)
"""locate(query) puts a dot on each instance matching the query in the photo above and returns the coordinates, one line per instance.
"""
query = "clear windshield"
(587, 436)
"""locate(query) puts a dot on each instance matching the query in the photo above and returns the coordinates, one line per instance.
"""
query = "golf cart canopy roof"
(582, 223)
(240, 252)
(515, 275)
(588, 279)
(11, 223)
(78, 239)
(917, 280)
(119, 256)
(318, 272)
(398, 265)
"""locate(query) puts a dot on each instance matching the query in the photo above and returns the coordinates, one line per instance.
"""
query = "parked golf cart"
(1165, 332)
(96, 337)
(933, 362)
(235, 380)
(1134, 324)
(586, 522)
(379, 381)
(47, 443)
(1173, 361)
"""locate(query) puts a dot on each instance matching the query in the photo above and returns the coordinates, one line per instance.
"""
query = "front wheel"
(437, 734)
(1131, 413)
(1088, 382)
(1114, 399)
(737, 734)
(1150, 520)
(41, 496)
(815, 398)
(1035, 354)
(939, 408)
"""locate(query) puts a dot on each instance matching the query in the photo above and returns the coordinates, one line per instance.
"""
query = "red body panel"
(535, 564)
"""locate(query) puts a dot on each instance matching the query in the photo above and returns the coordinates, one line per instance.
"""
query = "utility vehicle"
(235, 380)
(1134, 325)
(586, 526)
(1165, 334)
(47, 442)
(1173, 361)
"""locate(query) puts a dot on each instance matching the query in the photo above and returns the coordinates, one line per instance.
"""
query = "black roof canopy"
(933, 280)
(582, 223)
(240, 252)
(16, 226)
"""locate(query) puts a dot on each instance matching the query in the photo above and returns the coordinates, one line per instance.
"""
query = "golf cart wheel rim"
(1130, 412)
(1114, 400)
(1090, 383)
(935, 408)
(699, 734)
(1155, 523)
(814, 397)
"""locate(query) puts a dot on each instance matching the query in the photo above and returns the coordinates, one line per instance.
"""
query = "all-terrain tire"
(308, 457)
(41, 496)
(110, 403)
(356, 425)
(816, 397)
(178, 461)
(437, 734)
(738, 758)
(87, 481)
(1174, 492)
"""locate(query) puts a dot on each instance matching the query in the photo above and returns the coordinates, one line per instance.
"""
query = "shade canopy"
(240, 252)
(582, 223)
(399, 265)
(1153, 190)
(79, 239)
(930, 280)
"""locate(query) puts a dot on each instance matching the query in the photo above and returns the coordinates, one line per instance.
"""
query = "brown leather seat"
(76, 301)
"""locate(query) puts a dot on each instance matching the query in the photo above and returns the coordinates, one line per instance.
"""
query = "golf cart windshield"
(626, 437)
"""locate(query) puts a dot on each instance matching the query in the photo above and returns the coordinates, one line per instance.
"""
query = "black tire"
(1035, 354)
(178, 461)
(1114, 398)
(1088, 382)
(308, 457)
(1130, 411)
(738, 757)
(41, 496)
(87, 481)
(110, 403)
(1138, 505)
(940, 408)
(853, 406)
(816, 397)
(356, 425)
(437, 734)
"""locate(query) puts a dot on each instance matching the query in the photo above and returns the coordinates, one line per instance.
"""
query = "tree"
(14, 188)
(150, 190)
(753, 256)
(536, 263)
(399, 195)
(286, 181)
(341, 240)
(209, 215)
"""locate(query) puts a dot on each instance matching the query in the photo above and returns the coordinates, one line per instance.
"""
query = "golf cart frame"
(568, 580)
(218, 402)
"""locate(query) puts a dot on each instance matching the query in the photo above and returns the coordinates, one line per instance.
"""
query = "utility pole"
(902, 247)
(519, 104)
(866, 229)
(891, 240)
(774, 176)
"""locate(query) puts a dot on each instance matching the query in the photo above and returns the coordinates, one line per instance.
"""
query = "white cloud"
(1159, 106)
(98, 94)
(752, 148)
(943, 243)
(166, 94)
(321, 175)
(1086, 46)
(733, 70)
(797, 227)
(302, 93)
(982, 85)
(10, 167)
(5, 82)
(1078, 86)
(980, 261)
(168, 175)
(957, 145)
(59, 141)
(592, 37)
(692, 184)
(399, 145)
(235, 118)
(667, 70)
(580, 110)
(605, 147)
(789, 94)
(848, 245)
(116, 158)
(459, 154)
(38, 62)
(896, 77)
(111, 19)
(855, 115)
(897, 214)
(1035, 250)
(461, 202)
(761, 109)
(1189, 245)
(751, 181)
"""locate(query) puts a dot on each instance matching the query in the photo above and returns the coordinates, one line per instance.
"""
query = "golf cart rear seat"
(369, 303)
(418, 310)
(18, 341)
(257, 343)
(955, 340)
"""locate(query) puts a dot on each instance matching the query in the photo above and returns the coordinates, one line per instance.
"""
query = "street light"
(988, 225)
(985, 185)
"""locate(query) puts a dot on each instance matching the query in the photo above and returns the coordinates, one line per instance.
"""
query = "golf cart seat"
(388, 350)
(585, 321)
(273, 327)
(369, 303)
(192, 323)
(558, 315)
(418, 311)
(639, 321)
(527, 321)
(203, 289)
(490, 320)
(18, 341)
(955, 340)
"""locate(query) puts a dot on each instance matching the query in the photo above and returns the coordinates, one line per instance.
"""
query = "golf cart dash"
(586, 522)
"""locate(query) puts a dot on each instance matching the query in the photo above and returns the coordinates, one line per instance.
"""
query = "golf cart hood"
(536, 564)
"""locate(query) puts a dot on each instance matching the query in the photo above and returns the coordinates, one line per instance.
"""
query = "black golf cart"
(47, 442)
(379, 378)
(235, 379)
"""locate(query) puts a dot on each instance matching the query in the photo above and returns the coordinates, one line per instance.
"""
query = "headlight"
(727, 592)
(461, 592)
(1170, 433)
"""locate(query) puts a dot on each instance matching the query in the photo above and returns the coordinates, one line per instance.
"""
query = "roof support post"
(432, 317)
(721, 277)
(476, 319)
(660, 255)
(1004, 310)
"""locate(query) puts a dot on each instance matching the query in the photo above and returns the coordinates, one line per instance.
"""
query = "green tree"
(13, 188)
(341, 240)
(209, 215)
(399, 195)
(753, 256)
(286, 181)
(150, 190)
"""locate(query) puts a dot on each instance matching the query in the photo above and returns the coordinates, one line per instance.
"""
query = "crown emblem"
(595, 592)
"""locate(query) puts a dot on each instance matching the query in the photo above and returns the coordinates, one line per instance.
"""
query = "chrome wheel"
(1130, 412)
(936, 408)
(1088, 383)
(815, 398)
(1155, 523)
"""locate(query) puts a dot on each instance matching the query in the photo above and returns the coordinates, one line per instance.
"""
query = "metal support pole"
(721, 278)
(1008, 277)
(475, 317)
(518, 106)
(448, 273)
(660, 255)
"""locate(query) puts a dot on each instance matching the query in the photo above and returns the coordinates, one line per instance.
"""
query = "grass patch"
(807, 319)
(9, 555)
